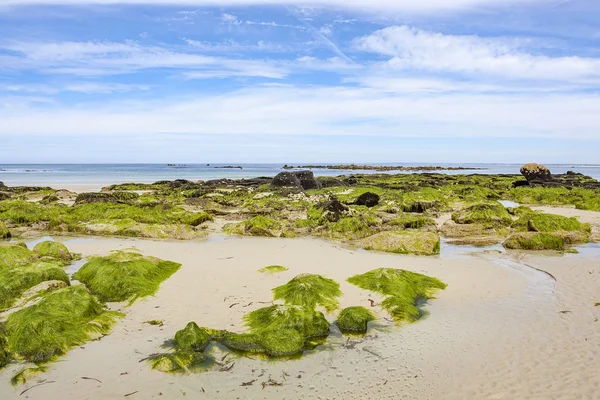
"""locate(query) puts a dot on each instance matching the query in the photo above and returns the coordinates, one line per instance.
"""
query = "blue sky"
(305, 81)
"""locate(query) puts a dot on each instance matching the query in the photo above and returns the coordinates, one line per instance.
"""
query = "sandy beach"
(501, 330)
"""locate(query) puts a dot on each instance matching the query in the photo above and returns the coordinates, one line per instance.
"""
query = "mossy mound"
(519, 211)
(21, 377)
(59, 321)
(193, 338)
(354, 320)
(404, 289)
(549, 223)
(310, 291)
(273, 269)
(15, 255)
(125, 275)
(590, 204)
(488, 214)
(408, 221)
(4, 354)
(177, 361)
(403, 242)
(54, 250)
(544, 241)
(257, 226)
(272, 343)
(15, 281)
(308, 322)
(4, 232)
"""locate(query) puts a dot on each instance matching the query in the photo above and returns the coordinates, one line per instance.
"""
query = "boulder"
(403, 242)
(333, 209)
(304, 180)
(536, 172)
(3, 186)
(114, 198)
(330, 182)
(368, 199)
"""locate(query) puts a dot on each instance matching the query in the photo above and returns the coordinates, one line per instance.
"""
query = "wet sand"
(501, 330)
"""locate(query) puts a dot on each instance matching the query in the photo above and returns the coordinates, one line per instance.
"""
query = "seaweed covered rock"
(310, 291)
(304, 180)
(257, 226)
(125, 275)
(409, 221)
(544, 241)
(354, 320)
(309, 323)
(272, 343)
(4, 232)
(192, 338)
(113, 197)
(59, 321)
(535, 172)
(403, 242)
(51, 198)
(486, 213)
(404, 290)
(4, 354)
(333, 209)
(54, 250)
(327, 182)
(535, 222)
(179, 361)
(15, 255)
(368, 199)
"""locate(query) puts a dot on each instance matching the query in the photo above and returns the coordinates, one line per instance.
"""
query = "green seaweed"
(25, 374)
(54, 250)
(487, 213)
(257, 226)
(308, 322)
(404, 289)
(403, 242)
(59, 321)
(408, 221)
(549, 223)
(310, 291)
(192, 338)
(544, 241)
(125, 275)
(354, 320)
(4, 232)
(273, 269)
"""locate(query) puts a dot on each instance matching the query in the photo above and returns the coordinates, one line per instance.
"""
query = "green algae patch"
(15, 281)
(273, 269)
(14, 255)
(125, 275)
(403, 242)
(487, 213)
(408, 221)
(273, 343)
(257, 226)
(179, 361)
(544, 241)
(354, 320)
(5, 356)
(549, 223)
(54, 250)
(193, 338)
(4, 232)
(404, 290)
(310, 291)
(59, 321)
(308, 322)
(25, 374)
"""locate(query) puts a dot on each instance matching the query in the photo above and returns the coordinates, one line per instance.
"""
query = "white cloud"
(415, 49)
(78, 87)
(230, 19)
(366, 5)
(291, 110)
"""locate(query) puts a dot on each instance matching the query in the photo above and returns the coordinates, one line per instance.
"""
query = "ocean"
(99, 175)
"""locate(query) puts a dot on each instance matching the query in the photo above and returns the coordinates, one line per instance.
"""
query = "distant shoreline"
(383, 167)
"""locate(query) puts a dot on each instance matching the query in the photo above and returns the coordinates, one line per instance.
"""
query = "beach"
(511, 324)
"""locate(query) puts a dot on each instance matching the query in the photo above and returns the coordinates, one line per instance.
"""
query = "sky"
(194, 81)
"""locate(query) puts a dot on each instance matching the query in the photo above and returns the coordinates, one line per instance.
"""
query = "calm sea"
(100, 175)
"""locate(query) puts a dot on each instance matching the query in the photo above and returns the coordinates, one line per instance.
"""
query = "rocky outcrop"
(304, 180)
(114, 198)
(326, 182)
(368, 199)
(333, 209)
(536, 173)
(3, 186)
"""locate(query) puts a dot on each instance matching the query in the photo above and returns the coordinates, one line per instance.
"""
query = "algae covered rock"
(310, 291)
(404, 290)
(178, 361)
(535, 172)
(125, 275)
(272, 343)
(192, 338)
(487, 213)
(54, 250)
(113, 197)
(4, 354)
(59, 321)
(257, 226)
(354, 320)
(534, 222)
(4, 232)
(545, 240)
(403, 242)
(306, 321)
(367, 199)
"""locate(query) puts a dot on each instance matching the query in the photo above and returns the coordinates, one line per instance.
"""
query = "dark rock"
(3, 186)
(5, 195)
(368, 199)
(570, 173)
(334, 209)
(516, 184)
(219, 182)
(51, 198)
(330, 182)
(114, 198)
(351, 180)
(536, 172)
(301, 179)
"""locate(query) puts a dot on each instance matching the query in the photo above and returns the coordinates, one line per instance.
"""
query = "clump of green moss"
(59, 321)
(15, 255)
(488, 214)
(15, 281)
(257, 226)
(549, 223)
(21, 377)
(192, 338)
(404, 289)
(5, 356)
(354, 320)
(403, 242)
(125, 275)
(4, 232)
(408, 221)
(273, 269)
(519, 211)
(310, 291)
(273, 343)
(54, 250)
(308, 322)
(592, 203)
(544, 241)
(177, 361)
